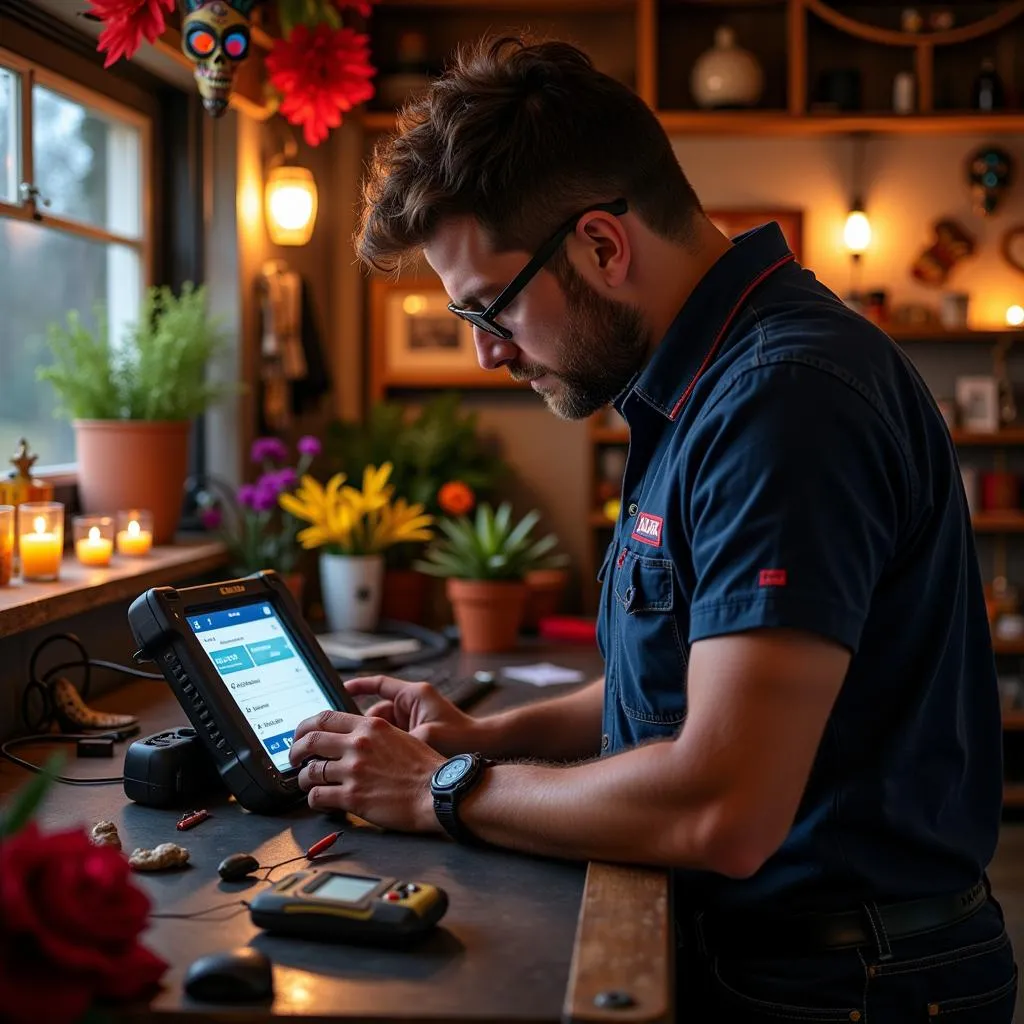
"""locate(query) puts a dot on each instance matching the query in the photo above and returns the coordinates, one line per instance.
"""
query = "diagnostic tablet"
(246, 669)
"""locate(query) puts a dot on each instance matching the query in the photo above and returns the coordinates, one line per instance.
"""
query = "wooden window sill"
(25, 606)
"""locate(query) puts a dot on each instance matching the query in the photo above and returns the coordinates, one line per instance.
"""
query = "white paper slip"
(543, 674)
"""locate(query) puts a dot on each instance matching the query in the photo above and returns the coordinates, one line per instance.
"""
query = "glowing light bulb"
(857, 232)
(1015, 316)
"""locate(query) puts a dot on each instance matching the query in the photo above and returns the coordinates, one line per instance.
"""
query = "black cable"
(192, 914)
(66, 737)
(39, 684)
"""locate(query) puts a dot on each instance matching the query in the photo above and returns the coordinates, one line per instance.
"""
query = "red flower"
(71, 919)
(456, 498)
(126, 22)
(320, 73)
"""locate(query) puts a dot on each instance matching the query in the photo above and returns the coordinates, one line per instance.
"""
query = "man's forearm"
(629, 808)
(559, 729)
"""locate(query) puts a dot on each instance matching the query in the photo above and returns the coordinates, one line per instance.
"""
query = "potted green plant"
(440, 460)
(485, 560)
(132, 403)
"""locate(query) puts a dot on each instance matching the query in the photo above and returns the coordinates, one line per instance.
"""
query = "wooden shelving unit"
(651, 44)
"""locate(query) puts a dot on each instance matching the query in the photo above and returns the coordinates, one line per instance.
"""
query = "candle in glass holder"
(6, 543)
(94, 539)
(40, 539)
(134, 532)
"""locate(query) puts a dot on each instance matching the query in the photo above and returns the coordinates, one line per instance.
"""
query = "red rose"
(71, 920)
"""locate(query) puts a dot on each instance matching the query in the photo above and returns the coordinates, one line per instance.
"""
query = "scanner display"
(263, 671)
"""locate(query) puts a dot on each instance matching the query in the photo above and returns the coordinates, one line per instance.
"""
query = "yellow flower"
(399, 523)
(354, 521)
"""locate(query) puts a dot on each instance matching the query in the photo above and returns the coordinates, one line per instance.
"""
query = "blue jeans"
(964, 973)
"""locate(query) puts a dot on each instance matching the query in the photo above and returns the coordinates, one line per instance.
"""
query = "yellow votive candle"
(134, 540)
(40, 552)
(94, 549)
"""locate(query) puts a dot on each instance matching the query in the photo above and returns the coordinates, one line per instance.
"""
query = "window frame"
(31, 73)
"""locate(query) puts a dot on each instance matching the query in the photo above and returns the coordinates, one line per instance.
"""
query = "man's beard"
(606, 343)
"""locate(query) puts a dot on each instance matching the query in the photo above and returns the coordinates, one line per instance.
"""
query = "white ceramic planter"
(350, 586)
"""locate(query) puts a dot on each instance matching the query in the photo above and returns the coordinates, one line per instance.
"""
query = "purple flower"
(309, 446)
(268, 449)
(212, 517)
(286, 478)
(277, 481)
(247, 495)
(264, 499)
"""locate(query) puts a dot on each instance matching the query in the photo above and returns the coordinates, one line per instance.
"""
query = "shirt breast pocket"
(650, 653)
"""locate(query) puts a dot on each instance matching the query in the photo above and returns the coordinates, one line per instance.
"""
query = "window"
(74, 234)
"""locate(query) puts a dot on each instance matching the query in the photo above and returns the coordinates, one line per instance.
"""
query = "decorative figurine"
(989, 174)
(952, 244)
(215, 35)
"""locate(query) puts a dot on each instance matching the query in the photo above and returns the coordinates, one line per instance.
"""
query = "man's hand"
(418, 709)
(366, 766)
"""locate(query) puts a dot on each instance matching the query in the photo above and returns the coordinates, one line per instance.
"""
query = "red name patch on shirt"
(648, 529)
(772, 578)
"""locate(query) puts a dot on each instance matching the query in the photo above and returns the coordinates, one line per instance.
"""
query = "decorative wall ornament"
(1013, 247)
(215, 36)
(989, 174)
(952, 244)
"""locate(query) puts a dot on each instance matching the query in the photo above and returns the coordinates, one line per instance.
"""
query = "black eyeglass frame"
(484, 319)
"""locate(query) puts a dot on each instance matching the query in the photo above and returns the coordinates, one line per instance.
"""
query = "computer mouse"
(240, 975)
(236, 866)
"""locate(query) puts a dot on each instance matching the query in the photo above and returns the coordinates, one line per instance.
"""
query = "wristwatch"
(449, 784)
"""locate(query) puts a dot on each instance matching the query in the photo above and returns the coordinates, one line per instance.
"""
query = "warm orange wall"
(908, 182)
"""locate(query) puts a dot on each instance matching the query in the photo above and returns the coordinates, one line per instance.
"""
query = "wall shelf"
(781, 123)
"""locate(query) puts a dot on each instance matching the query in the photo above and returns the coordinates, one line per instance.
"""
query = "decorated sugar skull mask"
(989, 173)
(215, 34)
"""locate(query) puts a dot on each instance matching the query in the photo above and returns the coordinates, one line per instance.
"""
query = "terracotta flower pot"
(126, 464)
(488, 613)
(405, 596)
(545, 589)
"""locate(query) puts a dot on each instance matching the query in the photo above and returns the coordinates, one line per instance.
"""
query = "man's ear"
(600, 249)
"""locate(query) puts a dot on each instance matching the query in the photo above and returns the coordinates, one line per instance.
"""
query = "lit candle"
(134, 540)
(94, 549)
(40, 552)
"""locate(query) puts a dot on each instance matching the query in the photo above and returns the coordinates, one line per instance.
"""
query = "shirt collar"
(695, 335)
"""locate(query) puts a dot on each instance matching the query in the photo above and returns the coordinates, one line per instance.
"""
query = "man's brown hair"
(521, 135)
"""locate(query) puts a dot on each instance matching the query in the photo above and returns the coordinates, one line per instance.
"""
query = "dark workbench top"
(502, 952)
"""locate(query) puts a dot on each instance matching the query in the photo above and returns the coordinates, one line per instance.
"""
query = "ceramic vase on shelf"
(350, 586)
(726, 75)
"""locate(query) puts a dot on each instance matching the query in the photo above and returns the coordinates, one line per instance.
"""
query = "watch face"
(450, 773)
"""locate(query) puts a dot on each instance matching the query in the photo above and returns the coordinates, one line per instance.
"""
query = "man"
(799, 711)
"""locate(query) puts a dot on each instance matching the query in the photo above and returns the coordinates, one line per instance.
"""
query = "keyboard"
(462, 690)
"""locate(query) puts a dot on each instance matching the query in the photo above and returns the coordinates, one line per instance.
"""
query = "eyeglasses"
(484, 319)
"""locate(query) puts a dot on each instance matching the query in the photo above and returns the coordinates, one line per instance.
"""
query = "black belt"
(764, 935)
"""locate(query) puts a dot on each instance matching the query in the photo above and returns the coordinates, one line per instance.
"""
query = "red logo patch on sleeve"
(772, 578)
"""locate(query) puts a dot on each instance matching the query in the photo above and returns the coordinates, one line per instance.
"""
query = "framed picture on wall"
(417, 343)
(735, 222)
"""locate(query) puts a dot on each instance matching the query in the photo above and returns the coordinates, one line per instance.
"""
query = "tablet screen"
(263, 671)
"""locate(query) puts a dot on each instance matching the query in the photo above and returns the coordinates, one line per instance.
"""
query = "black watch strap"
(446, 804)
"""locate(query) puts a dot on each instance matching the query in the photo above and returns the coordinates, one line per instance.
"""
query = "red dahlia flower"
(126, 22)
(320, 73)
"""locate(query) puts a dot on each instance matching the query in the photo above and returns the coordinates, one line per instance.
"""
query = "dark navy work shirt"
(788, 468)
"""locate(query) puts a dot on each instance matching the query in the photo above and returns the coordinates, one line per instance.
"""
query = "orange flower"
(456, 498)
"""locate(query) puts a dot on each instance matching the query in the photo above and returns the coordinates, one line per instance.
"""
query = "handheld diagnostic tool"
(348, 908)
(246, 669)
